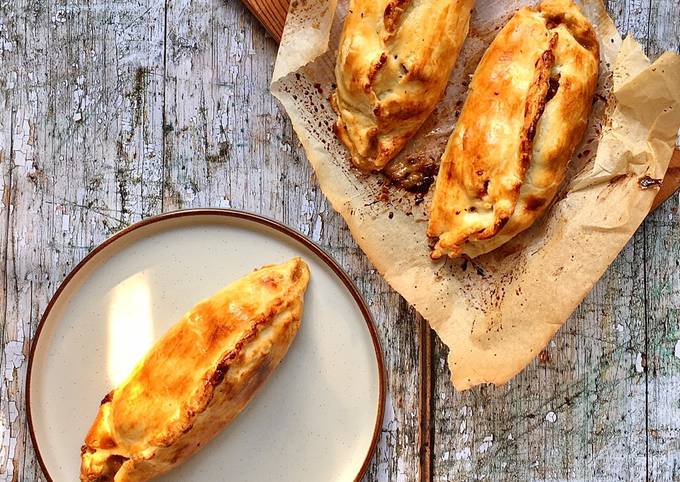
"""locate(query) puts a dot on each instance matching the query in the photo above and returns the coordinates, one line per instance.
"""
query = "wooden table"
(114, 111)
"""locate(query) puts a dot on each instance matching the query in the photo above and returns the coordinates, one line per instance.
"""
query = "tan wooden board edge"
(671, 182)
(272, 14)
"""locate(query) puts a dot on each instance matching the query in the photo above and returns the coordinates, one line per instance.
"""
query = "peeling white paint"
(59, 17)
(318, 228)
(486, 444)
(464, 454)
(307, 211)
(23, 150)
(189, 194)
(224, 202)
(11, 79)
(382, 471)
(638, 363)
(551, 417)
(402, 476)
(7, 451)
(677, 349)
(80, 195)
(14, 358)
(385, 452)
(13, 412)
(382, 457)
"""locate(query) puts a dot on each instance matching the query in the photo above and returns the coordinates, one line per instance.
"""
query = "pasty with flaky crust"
(197, 377)
(394, 60)
(526, 112)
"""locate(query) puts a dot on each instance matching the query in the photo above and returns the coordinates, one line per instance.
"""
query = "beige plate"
(317, 418)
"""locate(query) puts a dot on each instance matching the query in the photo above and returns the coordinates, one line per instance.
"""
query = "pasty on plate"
(525, 114)
(394, 60)
(197, 377)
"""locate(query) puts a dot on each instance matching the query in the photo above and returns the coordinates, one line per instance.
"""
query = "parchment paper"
(498, 312)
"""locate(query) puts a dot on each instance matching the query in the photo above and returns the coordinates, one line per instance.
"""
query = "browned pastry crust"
(394, 60)
(197, 377)
(527, 110)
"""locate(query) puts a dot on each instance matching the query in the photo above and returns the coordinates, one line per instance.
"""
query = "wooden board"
(271, 14)
(116, 111)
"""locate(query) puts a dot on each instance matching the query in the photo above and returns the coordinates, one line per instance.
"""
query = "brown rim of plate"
(229, 213)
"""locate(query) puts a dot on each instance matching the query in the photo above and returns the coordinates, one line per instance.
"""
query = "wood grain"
(82, 88)
(111, 112)
(662, 294)
(271, 14)
(141, 107)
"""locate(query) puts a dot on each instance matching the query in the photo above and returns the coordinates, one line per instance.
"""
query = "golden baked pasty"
(394, 60)
(526, 112)
(197, 377)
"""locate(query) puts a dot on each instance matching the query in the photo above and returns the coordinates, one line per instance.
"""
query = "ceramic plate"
(317, 418)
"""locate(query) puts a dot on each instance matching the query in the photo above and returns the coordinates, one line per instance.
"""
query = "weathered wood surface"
(602, 402)
(114, 111)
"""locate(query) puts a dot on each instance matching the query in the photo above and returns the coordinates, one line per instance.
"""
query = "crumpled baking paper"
(497, 312)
